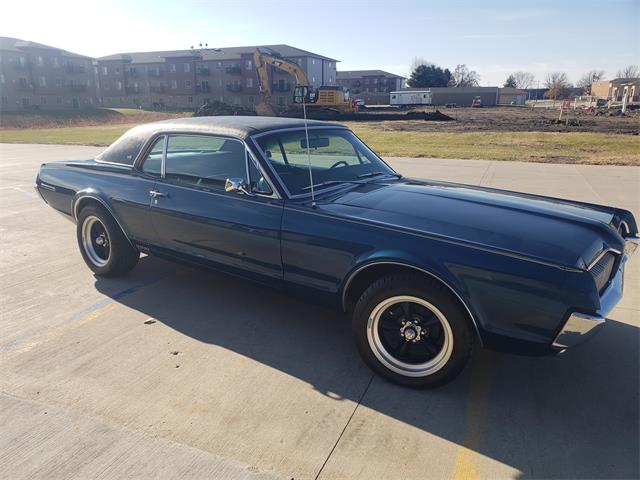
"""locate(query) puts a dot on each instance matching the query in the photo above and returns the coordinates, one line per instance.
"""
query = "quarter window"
(204, 161)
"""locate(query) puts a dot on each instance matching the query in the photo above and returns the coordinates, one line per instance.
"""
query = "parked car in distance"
(426, 269)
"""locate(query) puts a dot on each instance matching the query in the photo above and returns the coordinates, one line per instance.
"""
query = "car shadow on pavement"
(573, 416)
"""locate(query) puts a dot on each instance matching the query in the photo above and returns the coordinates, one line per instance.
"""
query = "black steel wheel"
(103, 245)
(412, 330)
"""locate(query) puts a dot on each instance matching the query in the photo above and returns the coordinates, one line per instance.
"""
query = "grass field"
(578, 147)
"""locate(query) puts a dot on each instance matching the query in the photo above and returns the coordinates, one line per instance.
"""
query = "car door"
(131, 200)
(194, 215)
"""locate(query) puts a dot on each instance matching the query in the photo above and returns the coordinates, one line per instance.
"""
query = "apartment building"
(39, 77)
(372, 86)
(186, 79)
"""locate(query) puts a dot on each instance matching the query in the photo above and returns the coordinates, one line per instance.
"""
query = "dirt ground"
(520, 119)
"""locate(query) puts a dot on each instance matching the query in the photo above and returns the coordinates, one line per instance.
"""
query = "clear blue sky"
(493, 37)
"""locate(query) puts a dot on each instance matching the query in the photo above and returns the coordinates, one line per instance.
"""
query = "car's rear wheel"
(412, 330)
(103, 246)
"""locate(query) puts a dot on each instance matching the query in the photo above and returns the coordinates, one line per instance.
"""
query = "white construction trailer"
(408, 98)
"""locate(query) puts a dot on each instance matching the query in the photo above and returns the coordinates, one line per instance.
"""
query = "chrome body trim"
(602, 254)
(46, 186)
(581, 326)
(631, 244)
(401, 264)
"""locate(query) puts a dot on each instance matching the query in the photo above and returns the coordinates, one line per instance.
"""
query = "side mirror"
(300, 94)
(237, 185)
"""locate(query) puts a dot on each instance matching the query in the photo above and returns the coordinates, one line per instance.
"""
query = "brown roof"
(21, 46)
(353, 74)
(227, 53)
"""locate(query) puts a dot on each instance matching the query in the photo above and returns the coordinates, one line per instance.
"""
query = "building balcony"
(20, 66)
(203, 71)
(234, 87)
(75, 69)
(203, 88)
(131, 73)
(235, 70)
(25, 87)
(156, 73)
(277, 87)
(76, 87)
(157, 89)
(132, 89)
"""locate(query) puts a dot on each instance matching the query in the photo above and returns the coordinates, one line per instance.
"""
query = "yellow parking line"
(62, 329)
(465, 467)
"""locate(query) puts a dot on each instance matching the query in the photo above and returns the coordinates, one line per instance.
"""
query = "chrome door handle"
(156, 194)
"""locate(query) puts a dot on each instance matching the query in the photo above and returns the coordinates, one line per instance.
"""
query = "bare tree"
(524, 80)
(589, 78)
(463, 77)
(557, 84)
(630, 71)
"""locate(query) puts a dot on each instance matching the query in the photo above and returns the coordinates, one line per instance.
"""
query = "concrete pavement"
(172, 372)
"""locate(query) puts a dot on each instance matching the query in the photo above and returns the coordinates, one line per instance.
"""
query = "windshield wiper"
(331, 182)
(375, 174)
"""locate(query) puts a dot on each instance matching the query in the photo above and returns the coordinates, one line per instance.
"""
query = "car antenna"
(306, 134)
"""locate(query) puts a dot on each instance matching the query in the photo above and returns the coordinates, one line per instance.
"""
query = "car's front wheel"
(103, 245)
(412, 330)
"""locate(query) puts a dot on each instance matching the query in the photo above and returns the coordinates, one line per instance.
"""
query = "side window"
(257, 182)
(153, 162)
(204, 161)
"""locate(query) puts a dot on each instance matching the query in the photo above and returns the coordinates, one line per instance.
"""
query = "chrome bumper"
(581, 326)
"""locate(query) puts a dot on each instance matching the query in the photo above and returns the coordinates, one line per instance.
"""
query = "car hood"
(547, 229)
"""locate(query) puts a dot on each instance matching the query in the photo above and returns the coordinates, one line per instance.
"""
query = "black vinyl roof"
(126, 148)
(236, 126)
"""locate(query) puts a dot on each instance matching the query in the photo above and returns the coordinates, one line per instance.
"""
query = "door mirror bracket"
(237, 185)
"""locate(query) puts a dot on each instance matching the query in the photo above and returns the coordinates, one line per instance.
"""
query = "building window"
(187, 68)
(22, 62)
(55, 62)
(1, 77)
(190, 99)
(174, 84)
(39, 61)
(105, 71)
(59, 100)
(313, 61)
(251, 99)
(248, 64)
(118, 85)
(249, 82)
(219, 65)
(43, 82)
(187, 83)
(281, 101)
(172, 67)
(43, 100)
(117, 70)
(5, 101)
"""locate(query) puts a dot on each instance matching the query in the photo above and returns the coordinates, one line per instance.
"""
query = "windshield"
(337, 156)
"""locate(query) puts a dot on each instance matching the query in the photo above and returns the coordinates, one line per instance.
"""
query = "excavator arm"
(262, 60)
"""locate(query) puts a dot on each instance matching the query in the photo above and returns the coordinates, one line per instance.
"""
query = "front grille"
(603, 269)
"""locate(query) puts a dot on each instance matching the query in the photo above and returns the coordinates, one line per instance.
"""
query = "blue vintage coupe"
(425, 268)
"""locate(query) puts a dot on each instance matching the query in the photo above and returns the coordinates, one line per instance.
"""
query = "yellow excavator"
(328, 98)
